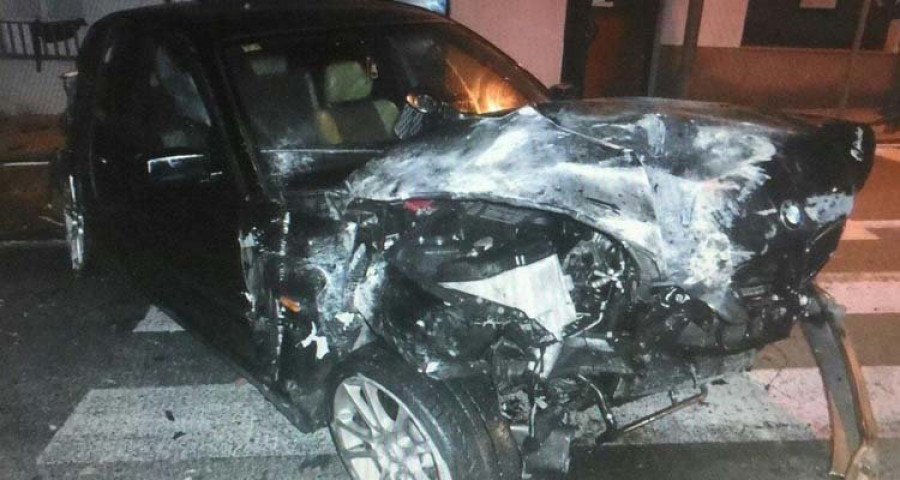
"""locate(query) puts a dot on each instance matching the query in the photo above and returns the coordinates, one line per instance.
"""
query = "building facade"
(772, 53)
(784, 53)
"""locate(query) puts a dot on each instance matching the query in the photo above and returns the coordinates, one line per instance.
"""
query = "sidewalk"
(29, 137)
(27, 143)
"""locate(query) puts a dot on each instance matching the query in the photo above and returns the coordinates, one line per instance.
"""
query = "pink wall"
(530, 31)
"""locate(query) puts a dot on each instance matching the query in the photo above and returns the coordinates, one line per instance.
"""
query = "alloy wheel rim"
(378, 437)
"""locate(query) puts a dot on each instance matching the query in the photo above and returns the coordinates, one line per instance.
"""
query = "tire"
(443, 425)
(78, 236)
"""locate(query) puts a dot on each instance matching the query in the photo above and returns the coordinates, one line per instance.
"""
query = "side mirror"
(563, 91)
(179, 168)
(420, 113)
(423, 103)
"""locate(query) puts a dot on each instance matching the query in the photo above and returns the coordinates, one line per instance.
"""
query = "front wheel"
(388, 421)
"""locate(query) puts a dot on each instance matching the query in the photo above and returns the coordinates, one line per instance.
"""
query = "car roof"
(236, 18)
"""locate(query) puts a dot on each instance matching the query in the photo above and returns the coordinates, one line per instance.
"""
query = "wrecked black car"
(396, 233)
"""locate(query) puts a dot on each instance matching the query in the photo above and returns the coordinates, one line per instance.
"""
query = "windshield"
(309, 98)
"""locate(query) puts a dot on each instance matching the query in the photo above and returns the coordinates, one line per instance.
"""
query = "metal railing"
(41, 40)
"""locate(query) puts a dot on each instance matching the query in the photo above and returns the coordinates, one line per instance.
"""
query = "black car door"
(183, 198)
(110, 169)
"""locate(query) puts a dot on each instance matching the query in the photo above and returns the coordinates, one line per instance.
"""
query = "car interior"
(331, 97)
(351, 114)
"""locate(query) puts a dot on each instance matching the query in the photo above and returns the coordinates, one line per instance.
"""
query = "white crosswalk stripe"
(868, 230)
(864, 293)
(891, 153)
(157, 321)
(799, 393)
(149, 428)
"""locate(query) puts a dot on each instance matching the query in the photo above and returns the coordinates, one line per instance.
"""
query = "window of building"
(815, 23)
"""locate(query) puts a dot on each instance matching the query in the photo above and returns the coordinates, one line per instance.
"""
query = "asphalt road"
(97, 383)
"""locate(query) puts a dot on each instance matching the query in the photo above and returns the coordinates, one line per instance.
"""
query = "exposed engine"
(635, 273)
(558, 315)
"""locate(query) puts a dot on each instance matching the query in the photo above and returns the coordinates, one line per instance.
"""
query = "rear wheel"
(76, 227)
(388, 421)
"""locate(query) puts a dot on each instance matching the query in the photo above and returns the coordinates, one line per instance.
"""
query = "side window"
(152, 128)
(147, 97)
(166, 104)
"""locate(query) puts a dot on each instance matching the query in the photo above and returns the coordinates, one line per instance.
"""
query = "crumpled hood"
(668, 177)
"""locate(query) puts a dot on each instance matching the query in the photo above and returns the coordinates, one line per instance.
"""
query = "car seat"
(350, 115)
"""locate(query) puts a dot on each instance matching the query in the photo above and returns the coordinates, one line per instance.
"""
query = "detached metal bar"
(613, 431)
(853, 428)
(676, 406)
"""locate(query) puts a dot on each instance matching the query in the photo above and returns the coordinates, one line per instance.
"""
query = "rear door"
(180, 205)
(184, 194)
(188, 195)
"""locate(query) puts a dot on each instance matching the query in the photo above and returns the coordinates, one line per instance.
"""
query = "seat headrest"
(345, 82)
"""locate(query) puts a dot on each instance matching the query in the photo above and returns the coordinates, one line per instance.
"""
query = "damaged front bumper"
(854, 432)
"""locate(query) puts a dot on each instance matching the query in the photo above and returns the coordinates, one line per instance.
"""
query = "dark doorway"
(611, 48)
